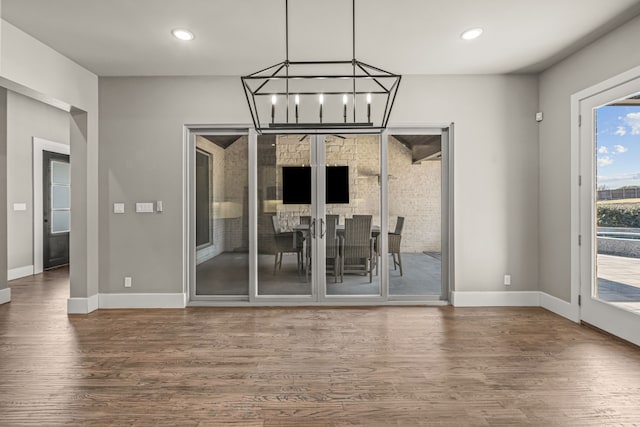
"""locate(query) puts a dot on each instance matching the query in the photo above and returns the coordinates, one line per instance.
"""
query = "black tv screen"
(296, 185)
(337, 184)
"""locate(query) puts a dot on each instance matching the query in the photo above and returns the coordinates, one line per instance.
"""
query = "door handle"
(313, 228)
(322, 229)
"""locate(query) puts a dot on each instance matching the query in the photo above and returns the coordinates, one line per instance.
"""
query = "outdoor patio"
(619, 281)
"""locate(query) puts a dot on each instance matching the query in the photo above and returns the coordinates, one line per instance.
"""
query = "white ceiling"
(235, 37)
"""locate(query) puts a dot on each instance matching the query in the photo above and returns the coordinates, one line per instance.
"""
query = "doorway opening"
(608, 125)
(51, 204)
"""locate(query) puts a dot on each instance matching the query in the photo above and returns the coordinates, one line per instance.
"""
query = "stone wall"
(415, 192)
(236, 198)
(414, 189)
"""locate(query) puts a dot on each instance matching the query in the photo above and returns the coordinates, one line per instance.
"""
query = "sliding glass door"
(319, 216)
(319, 219)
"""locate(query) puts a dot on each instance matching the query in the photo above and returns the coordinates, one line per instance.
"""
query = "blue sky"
(618, 146)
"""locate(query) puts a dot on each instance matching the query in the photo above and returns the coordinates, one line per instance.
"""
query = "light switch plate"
(118, 208)
(144, 208)
(159, 206)
(19, 206)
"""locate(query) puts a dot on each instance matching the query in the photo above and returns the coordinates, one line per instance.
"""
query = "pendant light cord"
(286, 30)
(353, 60)
(353, 28)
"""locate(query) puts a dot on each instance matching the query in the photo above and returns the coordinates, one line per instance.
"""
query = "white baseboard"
(495, 299)
(82, 305)
(559, 307)
(142, 301)
(5, 295)
(516, 299)
(16, 273)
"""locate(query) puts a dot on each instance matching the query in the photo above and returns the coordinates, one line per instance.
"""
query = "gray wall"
(612, 54)
(3, 188)
(496, 171)
(66, 85)
(26, 118)
(141, 155)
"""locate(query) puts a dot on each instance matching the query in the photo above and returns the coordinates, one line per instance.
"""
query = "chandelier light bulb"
(274, 99)
(345, 99)
(368, 98)
(321, 99)
(297, 99)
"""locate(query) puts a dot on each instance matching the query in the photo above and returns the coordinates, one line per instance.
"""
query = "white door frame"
(603, 315)
(40, 145)
(253, 299)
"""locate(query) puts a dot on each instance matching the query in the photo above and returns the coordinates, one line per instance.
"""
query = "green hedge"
(619, 215)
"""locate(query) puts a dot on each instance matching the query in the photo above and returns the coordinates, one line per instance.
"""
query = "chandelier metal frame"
(369, 88)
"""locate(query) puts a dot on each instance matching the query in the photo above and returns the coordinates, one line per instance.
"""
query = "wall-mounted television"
(337, 184)
(296, 185)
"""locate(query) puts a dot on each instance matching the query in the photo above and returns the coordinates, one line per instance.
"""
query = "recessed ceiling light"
(182, 34)
(471, 34)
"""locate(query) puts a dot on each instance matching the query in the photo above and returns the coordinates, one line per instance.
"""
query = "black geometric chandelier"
(343, 95)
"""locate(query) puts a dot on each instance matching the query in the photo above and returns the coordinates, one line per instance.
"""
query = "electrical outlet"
(127, 282)
(507, 280)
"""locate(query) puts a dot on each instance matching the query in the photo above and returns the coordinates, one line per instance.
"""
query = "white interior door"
(608, 146)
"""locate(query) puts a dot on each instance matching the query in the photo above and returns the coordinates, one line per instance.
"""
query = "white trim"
(5, 295)
(82, 305)
(40, 145)
(141, 300)
(559, 307)
(576, 99)
(603, 315)
(495, 299)
(313, 303)
(16, 273)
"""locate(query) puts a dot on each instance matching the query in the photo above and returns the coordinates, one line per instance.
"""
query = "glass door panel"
(285, 223)
(617, 156)
(415, 222)
(352, 215)
(222, 215)
(609, 164)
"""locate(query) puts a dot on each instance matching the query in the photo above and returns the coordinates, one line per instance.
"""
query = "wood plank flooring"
(397, 366)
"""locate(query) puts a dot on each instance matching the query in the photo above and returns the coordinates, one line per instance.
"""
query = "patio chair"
(359, 254)
(395, 238)
(333, 251)
(285, 242)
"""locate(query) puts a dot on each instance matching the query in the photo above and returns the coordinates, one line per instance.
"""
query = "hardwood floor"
(306, 366)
